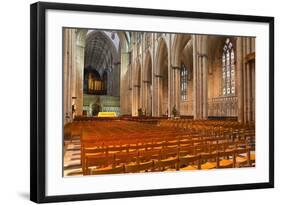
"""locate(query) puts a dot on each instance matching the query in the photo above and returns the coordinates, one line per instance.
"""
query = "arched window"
(183, 82)
(228, 69)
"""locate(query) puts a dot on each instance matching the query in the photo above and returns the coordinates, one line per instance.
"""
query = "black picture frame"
(38, 100)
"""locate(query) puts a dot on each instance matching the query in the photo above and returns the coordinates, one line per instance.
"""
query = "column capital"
(158, 76)
(250, 57)
(175, 67)
(202, 55)
(146, 81)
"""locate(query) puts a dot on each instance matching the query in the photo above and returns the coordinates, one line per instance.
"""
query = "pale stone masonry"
(145, 73)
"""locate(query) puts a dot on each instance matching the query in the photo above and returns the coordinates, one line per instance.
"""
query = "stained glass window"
(228, 69)
(183, 82)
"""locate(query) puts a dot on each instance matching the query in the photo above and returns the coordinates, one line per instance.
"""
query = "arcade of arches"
(199, 76)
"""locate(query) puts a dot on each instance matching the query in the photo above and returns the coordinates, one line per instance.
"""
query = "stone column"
(73, 71)
(134, 100)
(195, 99)
(248, 87)
(199, 78)
(65, 76)
(153, 78)
(144, 95)
(69, 73)
(79, 78)
(248, 83)
(145, 84)
(244, 80)
(170, 79)
(132, 89)
(155, 95)
(253, 104)
(175, 94)
(159, 94)
(141, 89)
(172, 90)
(124, 83)
(204, 78)
(177, 85)
(136, 97)
(239, 84)
(205, 86)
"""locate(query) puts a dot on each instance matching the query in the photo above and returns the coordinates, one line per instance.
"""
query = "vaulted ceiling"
(100, 51)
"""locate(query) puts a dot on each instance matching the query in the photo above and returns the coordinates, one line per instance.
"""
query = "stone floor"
(72, 161)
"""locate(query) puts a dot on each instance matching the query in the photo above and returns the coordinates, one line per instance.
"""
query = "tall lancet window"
(228, 69)
(183, 82)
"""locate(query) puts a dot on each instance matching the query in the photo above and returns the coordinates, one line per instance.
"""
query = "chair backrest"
(134, 168)
(126, 157)
(226, 154)
(97, 161)
(244, 151)
(172, 143)
(186, 161)
(230, 155)
(149, 155)
(110, 170)
(94, 150)
(200, 148)
(207, 157)
(169, 152)
(186, 150)
(114, 149)
(169, 163)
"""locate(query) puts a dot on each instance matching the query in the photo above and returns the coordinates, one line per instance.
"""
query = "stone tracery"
(143, 70)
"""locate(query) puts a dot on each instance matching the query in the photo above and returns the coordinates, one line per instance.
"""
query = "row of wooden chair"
(129, 131)
(226, 159)
(90, 159)
(128, 143)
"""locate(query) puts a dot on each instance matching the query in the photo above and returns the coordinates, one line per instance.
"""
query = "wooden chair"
(75, 134)
(242, 157)
(226, 159)
(93, 150)
(116, 149)
(171, 144)
(140, 167)
(108, 170)
(252, 156)
(169, 153)
(97, 161)
(185, 151)
(170, 164)
(189, 163)
(126, 157)
(208, 161)
(149, 155)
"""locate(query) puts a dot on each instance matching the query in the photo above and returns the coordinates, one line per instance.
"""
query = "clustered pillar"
(73, 66)
(200, 76)
(245, 53)
(69, 74)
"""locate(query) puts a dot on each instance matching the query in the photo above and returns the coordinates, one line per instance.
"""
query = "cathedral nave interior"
(146, 102)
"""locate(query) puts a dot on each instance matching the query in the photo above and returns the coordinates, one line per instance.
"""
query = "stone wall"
(107, 103)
